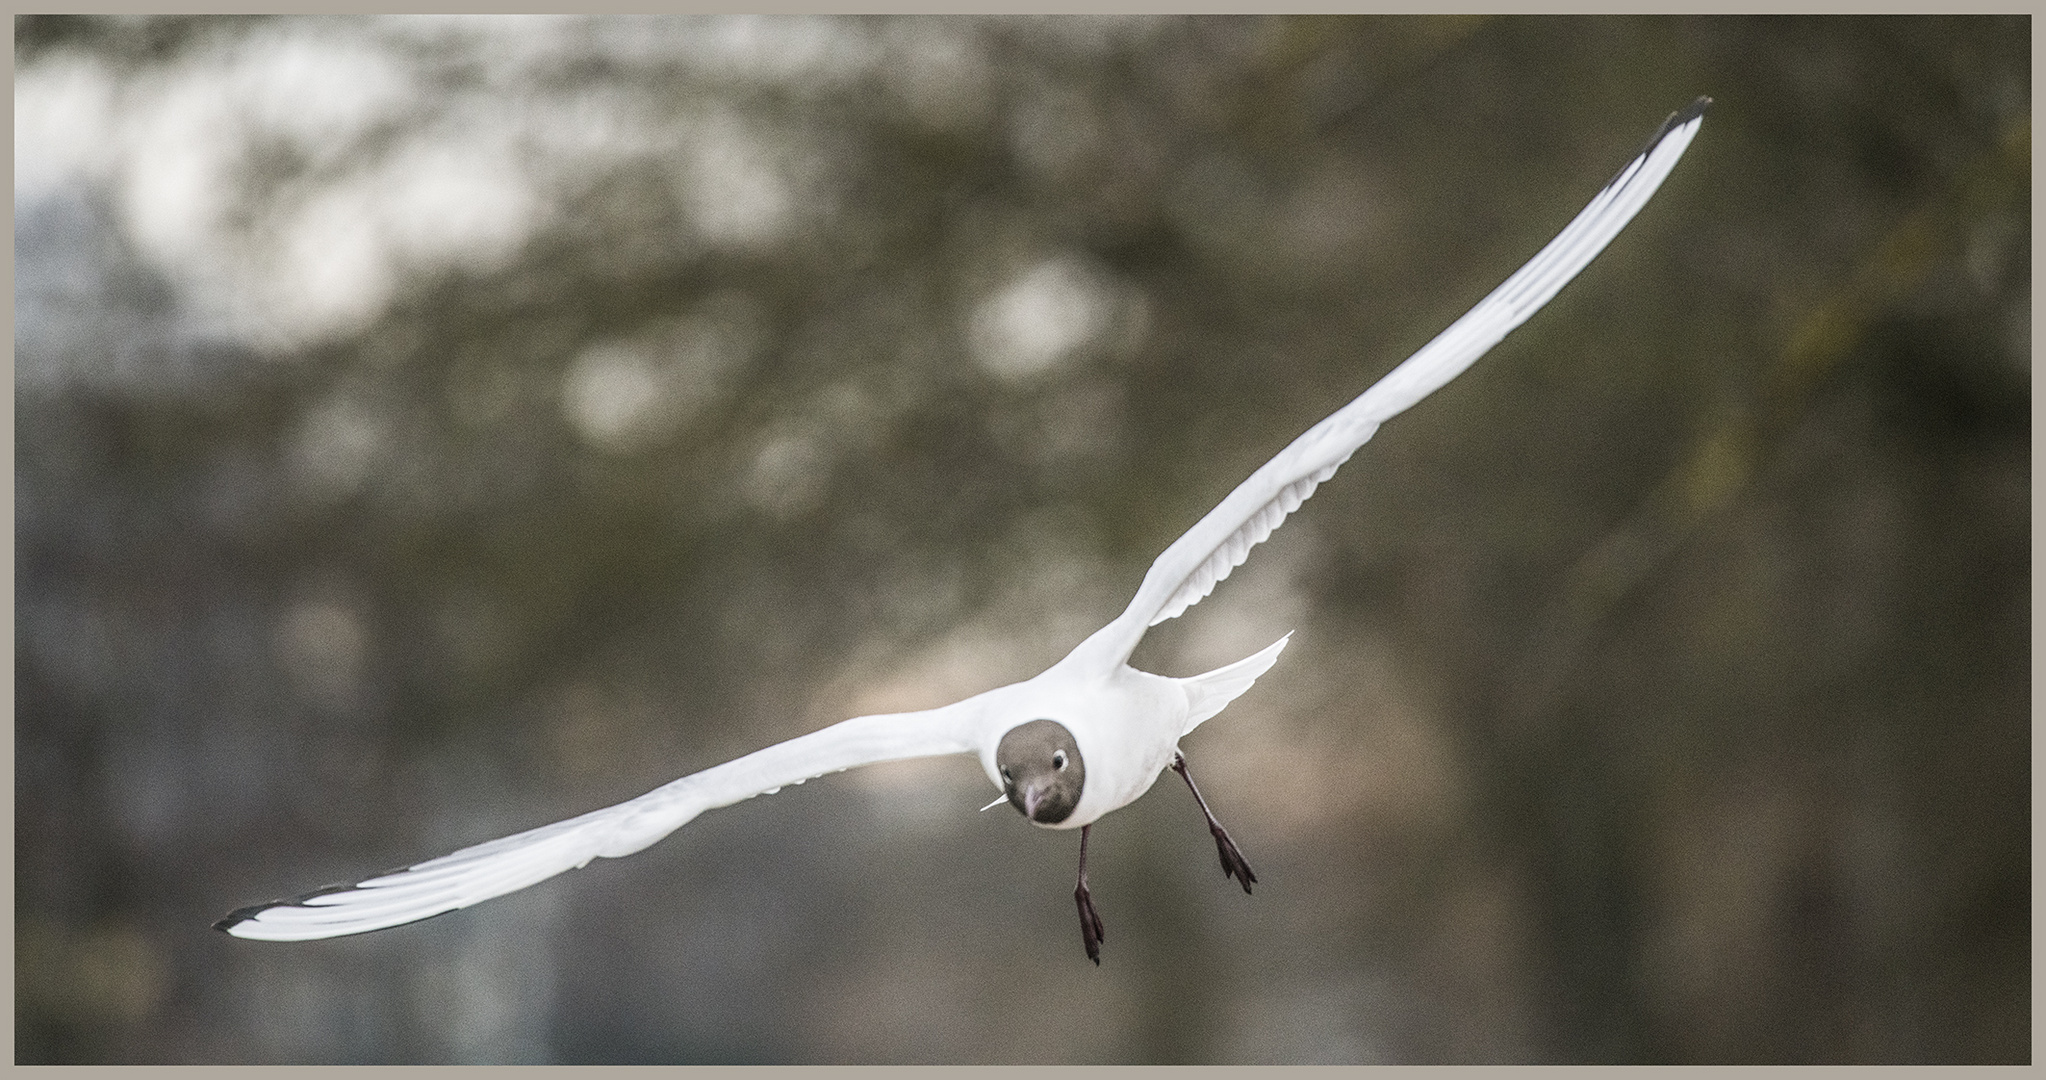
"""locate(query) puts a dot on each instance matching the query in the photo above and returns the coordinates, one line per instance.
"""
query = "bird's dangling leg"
(1233, 864)
(1090, 921)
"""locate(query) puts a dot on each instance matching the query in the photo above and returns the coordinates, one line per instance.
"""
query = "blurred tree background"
(431, 428)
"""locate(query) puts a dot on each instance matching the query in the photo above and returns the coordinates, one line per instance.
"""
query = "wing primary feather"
(1194, 564)
(493, 868)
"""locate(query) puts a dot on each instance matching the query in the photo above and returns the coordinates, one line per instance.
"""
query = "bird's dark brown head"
(1042, 772)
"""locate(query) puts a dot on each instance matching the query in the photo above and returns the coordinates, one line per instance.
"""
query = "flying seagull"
(1088, 735)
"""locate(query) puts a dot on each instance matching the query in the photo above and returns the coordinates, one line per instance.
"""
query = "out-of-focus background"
(431, 428)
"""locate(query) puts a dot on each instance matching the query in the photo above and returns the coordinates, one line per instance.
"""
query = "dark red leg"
(1090, 921)
(1233, 864)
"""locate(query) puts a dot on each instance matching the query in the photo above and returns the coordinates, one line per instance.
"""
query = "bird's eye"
(1058, 759)
(1007, 775)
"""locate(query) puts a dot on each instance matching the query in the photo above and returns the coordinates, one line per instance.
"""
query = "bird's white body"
(1126, 723)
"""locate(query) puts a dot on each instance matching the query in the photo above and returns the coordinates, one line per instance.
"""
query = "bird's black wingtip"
(1678, 119)
(241, 915)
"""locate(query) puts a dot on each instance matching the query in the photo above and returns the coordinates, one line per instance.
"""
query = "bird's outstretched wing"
(1219, 542)
(500, 866)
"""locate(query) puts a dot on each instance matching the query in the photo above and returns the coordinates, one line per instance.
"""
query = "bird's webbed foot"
(1091, 932)
(1090, 924)
(1233, 863)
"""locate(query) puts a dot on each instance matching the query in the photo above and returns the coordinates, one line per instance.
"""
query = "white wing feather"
(1195, 563)
(490, 869)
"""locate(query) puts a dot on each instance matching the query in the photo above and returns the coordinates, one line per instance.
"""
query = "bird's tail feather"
(1208, 693)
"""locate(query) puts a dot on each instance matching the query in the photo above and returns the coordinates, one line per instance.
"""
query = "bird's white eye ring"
(1006, 775)
(1058, 759)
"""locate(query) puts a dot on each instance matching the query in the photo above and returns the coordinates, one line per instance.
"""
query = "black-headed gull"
(1088, 735)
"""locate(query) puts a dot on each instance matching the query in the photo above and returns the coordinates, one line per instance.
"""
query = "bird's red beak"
(1031, 797)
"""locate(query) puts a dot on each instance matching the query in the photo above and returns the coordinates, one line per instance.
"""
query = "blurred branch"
(1722, 462)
